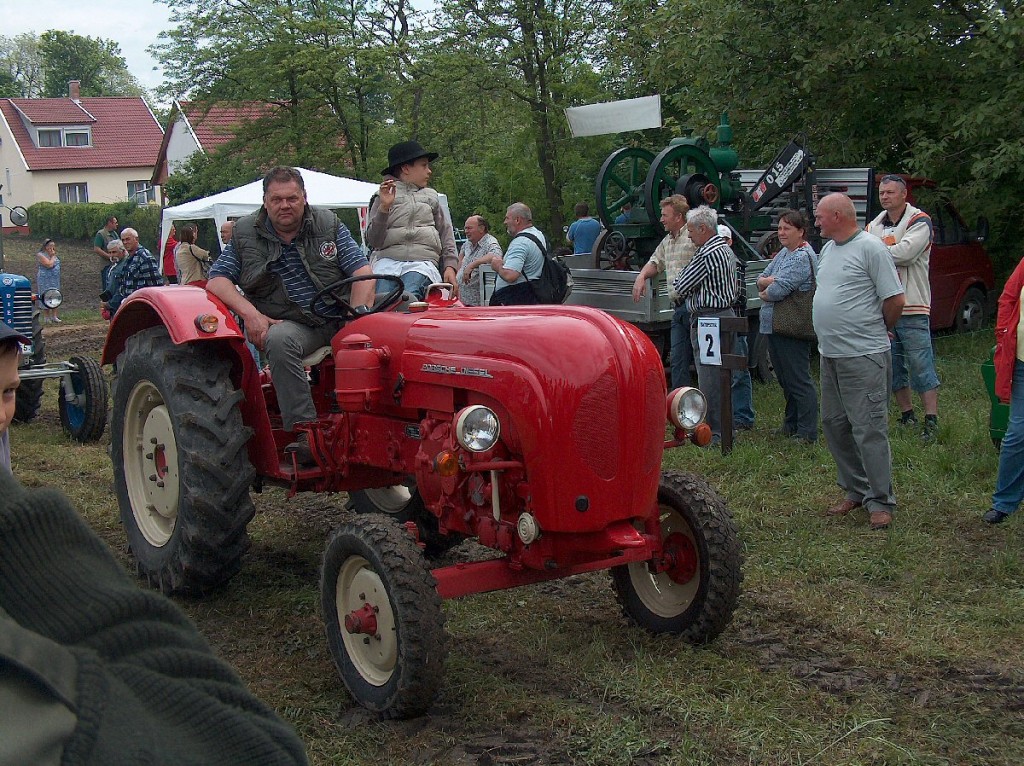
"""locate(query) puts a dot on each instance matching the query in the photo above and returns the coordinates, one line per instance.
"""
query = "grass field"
(849, 646)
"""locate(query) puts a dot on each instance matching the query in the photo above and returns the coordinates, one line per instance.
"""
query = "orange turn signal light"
(208, 323)
(446, 464)
(701, 435)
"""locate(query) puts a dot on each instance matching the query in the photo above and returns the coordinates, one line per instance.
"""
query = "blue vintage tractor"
(83, 389)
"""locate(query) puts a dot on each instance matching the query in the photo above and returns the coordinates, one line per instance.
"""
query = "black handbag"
(791, 317)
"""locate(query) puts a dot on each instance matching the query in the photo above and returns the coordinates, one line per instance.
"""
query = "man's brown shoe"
(842, 508)
(880, 519)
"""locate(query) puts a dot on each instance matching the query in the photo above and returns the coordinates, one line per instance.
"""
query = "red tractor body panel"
(572, 386)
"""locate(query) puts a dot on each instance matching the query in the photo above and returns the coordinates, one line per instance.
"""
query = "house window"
(76, 138)
(141, 191)
(49, 138)
(73, 192)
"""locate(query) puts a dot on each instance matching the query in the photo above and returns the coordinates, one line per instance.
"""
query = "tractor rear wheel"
(84, 418)
(181, 469)
(402, 502)
(695, 597)
(383, 617)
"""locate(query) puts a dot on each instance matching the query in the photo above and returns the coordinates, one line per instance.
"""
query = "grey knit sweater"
(94, 670)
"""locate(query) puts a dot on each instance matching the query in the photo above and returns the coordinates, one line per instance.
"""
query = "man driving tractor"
(281, 256)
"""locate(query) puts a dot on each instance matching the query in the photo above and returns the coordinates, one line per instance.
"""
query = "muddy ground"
(768, 631)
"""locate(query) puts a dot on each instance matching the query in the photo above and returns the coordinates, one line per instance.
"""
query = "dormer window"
(49, 138)
(53, 137)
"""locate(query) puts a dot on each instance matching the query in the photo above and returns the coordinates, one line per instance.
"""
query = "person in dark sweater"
(94, 670)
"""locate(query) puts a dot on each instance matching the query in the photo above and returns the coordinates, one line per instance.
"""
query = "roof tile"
(124, 132)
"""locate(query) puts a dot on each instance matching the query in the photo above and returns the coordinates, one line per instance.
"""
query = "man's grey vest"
(257, 249)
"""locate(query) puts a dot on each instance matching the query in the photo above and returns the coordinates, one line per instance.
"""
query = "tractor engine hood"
(581, 396)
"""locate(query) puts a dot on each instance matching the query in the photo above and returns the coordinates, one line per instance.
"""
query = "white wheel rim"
(390, 499)
(374, 657)
(661, 594)
(150, 457)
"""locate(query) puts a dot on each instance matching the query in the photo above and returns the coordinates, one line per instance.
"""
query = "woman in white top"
(193, 262)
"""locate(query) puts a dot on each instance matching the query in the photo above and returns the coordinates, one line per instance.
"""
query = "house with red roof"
(201, 127)
(92, 149)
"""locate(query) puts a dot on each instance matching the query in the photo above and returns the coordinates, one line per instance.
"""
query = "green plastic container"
(1000, 414)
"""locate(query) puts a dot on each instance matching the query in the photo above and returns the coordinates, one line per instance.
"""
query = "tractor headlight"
(687, 408)
(52, 298)
(477, 428)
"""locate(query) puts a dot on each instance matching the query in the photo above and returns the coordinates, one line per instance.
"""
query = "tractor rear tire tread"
(214, 506)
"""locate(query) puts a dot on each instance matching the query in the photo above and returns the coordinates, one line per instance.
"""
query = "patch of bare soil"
(64, 341)
(812, 654)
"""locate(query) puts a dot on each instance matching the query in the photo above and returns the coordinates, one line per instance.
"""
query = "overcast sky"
(133, 24)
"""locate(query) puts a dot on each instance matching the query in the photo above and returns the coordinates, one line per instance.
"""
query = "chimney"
(73, 93)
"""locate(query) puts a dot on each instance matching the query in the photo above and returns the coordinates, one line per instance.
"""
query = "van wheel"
(970, 315)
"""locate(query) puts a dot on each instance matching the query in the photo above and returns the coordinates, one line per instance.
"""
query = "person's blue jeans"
(1010, 479)
(415, 284)
(742, 390)
(680, 351)
(792, 360)
(912, 348)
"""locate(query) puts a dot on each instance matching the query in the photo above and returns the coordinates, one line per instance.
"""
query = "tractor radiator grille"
(654, 418)
(598, 412)
(17, 310)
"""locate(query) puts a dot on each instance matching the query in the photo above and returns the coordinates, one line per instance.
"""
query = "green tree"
(317, 63)
(533, 54)
(21, 66)
(95, 62)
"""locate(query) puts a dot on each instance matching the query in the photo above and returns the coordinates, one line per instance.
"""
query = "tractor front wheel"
(402, 502)
(181, 469)
(696, 594)
(29, 398)
(383, 616)
(85, 416)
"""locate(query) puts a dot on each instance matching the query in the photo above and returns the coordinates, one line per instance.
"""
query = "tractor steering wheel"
(348, 312)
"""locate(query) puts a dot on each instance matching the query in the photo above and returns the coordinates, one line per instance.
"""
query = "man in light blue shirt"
(523, 260)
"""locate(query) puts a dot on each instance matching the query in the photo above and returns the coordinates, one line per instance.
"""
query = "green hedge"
(82, 221)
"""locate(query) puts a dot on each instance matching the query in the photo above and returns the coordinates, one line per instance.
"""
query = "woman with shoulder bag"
(790, 277)
(193, 262)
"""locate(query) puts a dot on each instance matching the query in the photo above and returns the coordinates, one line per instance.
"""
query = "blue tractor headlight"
(52, 298)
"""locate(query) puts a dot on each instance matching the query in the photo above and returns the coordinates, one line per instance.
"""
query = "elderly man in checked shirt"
(708, 285)
(280, 256)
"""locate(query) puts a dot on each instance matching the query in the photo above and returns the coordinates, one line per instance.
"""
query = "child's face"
(8, 386)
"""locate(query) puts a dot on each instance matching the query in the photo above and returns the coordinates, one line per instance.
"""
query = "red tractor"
(539, 431)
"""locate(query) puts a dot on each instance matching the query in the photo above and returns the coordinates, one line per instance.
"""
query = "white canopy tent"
(322, 190)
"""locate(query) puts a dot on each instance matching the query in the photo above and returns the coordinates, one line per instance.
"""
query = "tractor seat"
(316, 357)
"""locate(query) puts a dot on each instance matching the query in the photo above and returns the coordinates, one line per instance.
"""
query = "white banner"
(614, 116)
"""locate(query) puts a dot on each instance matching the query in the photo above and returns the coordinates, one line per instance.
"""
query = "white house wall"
(103, 185)
(181, 145)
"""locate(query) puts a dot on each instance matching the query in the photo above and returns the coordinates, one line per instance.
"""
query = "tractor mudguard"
(176, 308)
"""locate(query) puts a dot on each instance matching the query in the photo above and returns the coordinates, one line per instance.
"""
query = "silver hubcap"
(659, 592)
